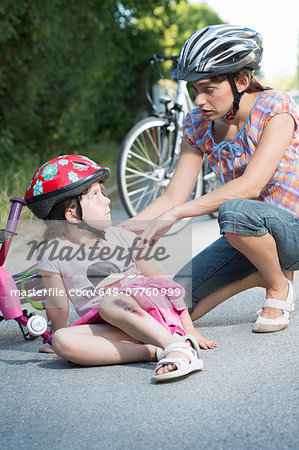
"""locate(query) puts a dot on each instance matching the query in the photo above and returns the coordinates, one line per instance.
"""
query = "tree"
(72, 72)
(176, 22)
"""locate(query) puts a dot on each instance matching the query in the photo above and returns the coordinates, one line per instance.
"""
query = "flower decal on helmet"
(63, 162)
(95, 166)
(38, 187)
(73, 176)
(50, 171)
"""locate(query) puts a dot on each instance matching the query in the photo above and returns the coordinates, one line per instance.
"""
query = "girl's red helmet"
(60, 178)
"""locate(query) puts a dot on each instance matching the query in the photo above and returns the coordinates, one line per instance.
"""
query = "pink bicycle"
(10, 302)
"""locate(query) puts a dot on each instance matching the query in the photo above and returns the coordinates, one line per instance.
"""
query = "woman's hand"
(151, 231)
(136, 226)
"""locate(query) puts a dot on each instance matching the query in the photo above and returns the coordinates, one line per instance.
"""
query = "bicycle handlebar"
(157, 59)
(11, 226)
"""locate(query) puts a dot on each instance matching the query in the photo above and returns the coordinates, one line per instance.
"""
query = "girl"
(85, 259)
(248, 133)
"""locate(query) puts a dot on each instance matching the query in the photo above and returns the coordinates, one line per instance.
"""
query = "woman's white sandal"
(264, 325)
(183, 366)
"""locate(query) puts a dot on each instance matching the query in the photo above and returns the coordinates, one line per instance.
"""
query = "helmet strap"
(82, 224)
(237, 97)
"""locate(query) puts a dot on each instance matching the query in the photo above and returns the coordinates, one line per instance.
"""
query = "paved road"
(245, 398)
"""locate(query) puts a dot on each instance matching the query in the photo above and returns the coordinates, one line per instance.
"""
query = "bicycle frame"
(182, 105)
(10, 304)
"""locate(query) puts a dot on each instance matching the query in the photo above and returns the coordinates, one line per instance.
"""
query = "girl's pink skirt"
(159, 297)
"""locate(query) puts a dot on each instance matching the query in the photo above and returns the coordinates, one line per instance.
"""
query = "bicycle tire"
(143, 164)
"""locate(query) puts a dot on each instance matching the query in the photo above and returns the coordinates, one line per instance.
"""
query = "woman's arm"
(57, 306)
(260, 169)
(274, 141)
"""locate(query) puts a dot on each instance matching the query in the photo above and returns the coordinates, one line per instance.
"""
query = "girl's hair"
(253, 86)
(59, 228)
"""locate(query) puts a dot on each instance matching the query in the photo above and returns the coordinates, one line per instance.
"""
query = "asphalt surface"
(245, 398)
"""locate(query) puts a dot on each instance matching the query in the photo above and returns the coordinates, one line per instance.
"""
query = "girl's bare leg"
(100, 344)
(130, 327)
(125, 313)
(261, 251)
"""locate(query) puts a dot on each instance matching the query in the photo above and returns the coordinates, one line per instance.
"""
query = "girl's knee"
(62, 343)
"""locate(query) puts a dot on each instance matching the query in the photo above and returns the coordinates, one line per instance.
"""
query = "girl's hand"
(46, 348)
(203, 342)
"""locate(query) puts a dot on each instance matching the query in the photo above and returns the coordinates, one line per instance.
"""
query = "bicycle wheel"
(144, 164)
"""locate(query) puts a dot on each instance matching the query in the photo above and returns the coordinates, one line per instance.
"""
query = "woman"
(248, 133)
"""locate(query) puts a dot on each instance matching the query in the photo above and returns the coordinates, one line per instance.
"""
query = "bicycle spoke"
(134, 183)
(137, 191)
(142, 145)
(133, 164)
(147, 161)
(141, 198)
(152, 197)
(143, 174)
(131, 193)
(146, 198)
(133, 179)
(155, 144)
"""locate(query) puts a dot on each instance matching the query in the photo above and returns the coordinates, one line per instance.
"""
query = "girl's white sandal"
(183, 365)
(264, 325)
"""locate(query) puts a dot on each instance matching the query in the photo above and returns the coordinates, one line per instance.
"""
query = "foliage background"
(72, 76)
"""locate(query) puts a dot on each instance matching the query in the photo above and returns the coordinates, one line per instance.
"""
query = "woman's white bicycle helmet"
(217, 50)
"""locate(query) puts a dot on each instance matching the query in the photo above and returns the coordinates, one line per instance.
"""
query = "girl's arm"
(57, 306)
(149, 267)
(274, 141)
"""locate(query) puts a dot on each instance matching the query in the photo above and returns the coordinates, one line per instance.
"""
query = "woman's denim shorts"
(220, 264)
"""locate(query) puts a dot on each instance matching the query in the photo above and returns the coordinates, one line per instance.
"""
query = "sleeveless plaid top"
(229, 159)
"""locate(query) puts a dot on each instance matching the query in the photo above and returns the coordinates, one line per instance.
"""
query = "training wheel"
(36, 325)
